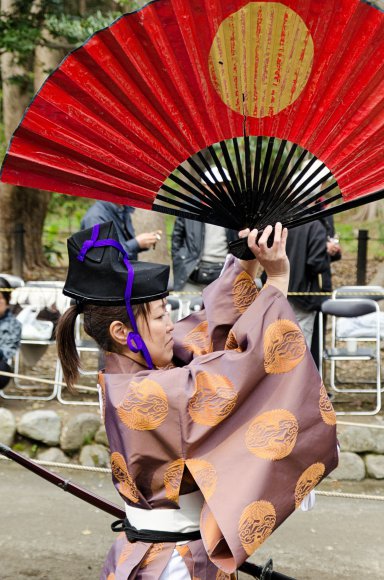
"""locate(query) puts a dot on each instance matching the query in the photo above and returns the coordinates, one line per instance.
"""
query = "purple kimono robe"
(246, 420)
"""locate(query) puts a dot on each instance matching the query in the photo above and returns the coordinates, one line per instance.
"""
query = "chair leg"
(68, 402)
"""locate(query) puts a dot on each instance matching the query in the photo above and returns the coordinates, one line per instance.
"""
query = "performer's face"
(157, 333)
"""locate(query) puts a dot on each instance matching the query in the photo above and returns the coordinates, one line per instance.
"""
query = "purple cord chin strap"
(134, 341)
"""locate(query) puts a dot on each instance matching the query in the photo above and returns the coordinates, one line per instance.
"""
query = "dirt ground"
(49, 535)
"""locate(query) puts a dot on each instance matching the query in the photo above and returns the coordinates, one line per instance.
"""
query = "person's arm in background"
(144, 241)
(333, 245)
(137, 244)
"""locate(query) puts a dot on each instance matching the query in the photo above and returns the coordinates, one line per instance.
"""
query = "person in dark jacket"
(334, 253)
(10, 332)
(120, 215)
(199, 250)
(307, 254)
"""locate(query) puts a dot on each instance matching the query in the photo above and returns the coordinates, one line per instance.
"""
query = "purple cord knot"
(135, 342)
(88, 244)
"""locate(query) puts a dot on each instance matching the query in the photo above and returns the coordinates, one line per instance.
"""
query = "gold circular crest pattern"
(125, 553)
(284, 347)
(111, 576)
(144, 407)
(172, 479)
(326, 410)
(231, 342)
(272, 435)
(224, 576)
(198, 340)
(183, 550)
(244, 291)
(308, 481)
(213, 400)
(126, 485)
(204, 474)
(256, 524)
(261, 58)
(152, 554)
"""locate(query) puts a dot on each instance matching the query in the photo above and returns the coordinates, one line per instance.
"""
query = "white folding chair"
(347, 348)
(37, 294)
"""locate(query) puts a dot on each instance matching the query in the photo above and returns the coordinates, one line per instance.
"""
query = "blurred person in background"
(199, 250)
(10, 332)
(104, 211)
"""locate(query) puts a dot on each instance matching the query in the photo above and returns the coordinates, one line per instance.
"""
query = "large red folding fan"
(284, 98)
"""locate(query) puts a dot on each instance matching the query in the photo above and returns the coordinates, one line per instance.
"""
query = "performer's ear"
(118, 332)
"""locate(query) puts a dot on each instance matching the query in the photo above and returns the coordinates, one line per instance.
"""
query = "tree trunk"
(369, 212)
(22, 205)
(15, 100)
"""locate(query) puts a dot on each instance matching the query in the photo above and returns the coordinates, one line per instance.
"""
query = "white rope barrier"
(74, 466)
(350, 495)
(337, 494)
(45, 381)
(41, 289)
(351, 424)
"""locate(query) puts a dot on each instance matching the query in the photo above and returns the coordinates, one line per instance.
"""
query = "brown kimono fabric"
(248, 401)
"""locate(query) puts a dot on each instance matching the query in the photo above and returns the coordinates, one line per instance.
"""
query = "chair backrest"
(42, 294)
(358, 319)
(352, 292)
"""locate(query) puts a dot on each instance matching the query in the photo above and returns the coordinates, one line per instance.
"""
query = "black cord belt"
(152, 536)
(157, 537)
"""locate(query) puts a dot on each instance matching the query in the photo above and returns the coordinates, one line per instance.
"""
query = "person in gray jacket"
(10, 332)
(120, 215)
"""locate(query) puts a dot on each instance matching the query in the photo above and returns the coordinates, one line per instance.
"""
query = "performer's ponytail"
(66, 347)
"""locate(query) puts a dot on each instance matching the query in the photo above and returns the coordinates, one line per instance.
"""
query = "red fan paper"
(125, 110)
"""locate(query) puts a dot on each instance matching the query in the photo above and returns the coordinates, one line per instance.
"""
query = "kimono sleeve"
(259, 430)
(225, 300)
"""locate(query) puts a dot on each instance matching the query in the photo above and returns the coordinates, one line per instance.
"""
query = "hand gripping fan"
(285, 98)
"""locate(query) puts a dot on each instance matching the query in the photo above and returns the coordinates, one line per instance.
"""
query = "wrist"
(280, 282)
(249, 266)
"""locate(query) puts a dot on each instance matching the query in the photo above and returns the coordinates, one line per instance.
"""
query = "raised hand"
(274, 258)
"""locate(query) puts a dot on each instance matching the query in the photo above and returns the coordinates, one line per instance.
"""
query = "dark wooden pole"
(362, 251)
(18, 251)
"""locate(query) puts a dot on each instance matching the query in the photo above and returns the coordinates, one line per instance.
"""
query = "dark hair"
(6, 294)
(97, 320)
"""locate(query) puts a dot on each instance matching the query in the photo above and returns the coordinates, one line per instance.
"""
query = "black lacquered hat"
(97, 274)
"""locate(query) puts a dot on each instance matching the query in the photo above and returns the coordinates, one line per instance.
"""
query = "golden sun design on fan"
(284, 97)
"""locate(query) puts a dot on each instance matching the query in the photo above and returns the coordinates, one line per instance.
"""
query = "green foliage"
(63, 218)
(88, 440)
(34, 450)
(77, 29)
(19, 447)
(169, 224)
(347, 227)
(23, 29)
